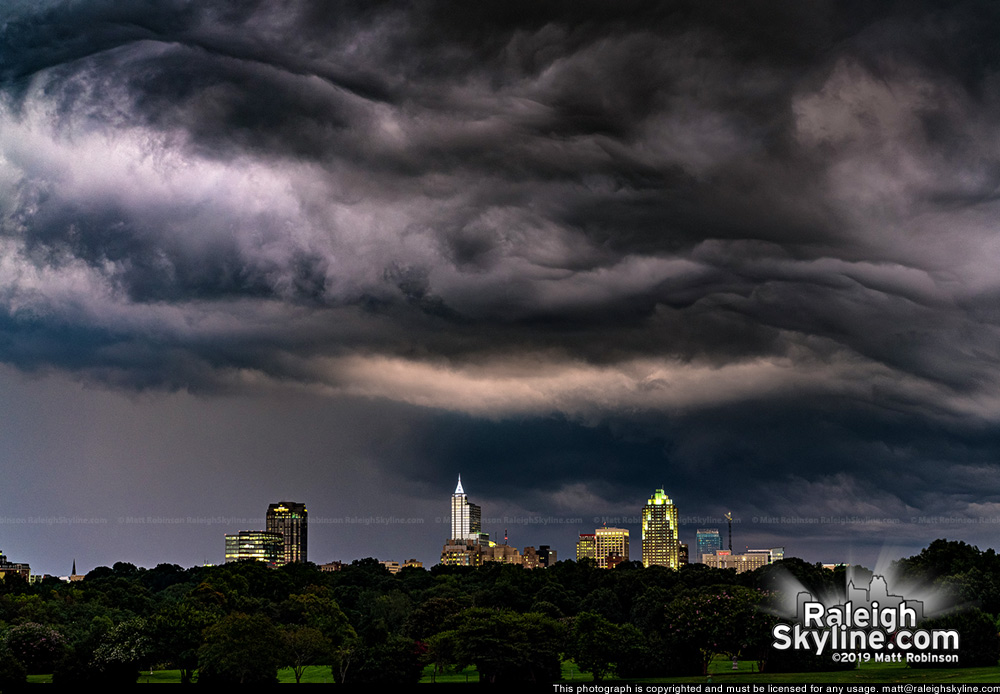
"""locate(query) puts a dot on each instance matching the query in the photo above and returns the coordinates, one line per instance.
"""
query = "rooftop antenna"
(729, 518)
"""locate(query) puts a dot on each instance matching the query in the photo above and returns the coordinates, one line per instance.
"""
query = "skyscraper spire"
(458, 489)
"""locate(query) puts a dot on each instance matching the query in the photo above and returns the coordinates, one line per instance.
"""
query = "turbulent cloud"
(661, 210)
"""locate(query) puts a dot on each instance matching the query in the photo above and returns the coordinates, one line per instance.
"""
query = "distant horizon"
(881, 561)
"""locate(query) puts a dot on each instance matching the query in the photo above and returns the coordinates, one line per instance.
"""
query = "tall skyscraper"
(660, 545)
(468, 542)
(586, 547)
(466, 517)
(611, 547)
(709, 542)
(290, 519)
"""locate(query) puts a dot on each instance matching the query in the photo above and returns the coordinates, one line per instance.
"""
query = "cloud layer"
(645, 213)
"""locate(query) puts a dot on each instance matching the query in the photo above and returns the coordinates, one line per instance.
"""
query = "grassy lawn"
(721, 673)
(314, 674)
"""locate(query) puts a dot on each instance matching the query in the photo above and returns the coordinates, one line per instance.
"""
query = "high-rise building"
(660, 546)
(611, 545)
(467, 542)
(586, 547)
(466, 517)
(709, 542)
(256, 545)
(289, 518)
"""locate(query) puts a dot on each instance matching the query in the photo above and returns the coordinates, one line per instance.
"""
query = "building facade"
(256, 545)
(11, 568)
(611, 545)
(708, 542)
(503, 554)
(541, 558)
(750, 560)
(660, 544)
(586, 547)
(467, 543)
(466, 517)
(291, 520)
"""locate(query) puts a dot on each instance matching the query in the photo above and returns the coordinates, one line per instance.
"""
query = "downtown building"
(708, 541)
(660, 543)
(13, 568)
(541, 558)
(611, 547)
(291, 520)
(466, 517)
(281, 542)
(256, 545)
(606, 546)
(750, 560)
(468, 544)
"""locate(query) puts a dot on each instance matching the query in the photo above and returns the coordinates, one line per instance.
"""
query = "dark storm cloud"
(772, 221)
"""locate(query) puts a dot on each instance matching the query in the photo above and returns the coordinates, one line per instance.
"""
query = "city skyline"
(272, 545)
(343, 252)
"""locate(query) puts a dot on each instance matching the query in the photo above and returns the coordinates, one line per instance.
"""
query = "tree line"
(241, 622)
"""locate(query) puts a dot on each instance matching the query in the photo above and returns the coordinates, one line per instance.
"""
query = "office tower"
(256, 545)
(611, 546)
(586, 547)
(290, 519)
(546, 556)
(466, 517)
(682, 554)
(660, 545)
(709, 542)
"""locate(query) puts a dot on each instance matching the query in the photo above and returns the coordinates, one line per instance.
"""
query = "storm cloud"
(746, 252)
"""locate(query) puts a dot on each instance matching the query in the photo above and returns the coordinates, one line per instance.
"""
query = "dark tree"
(241, 649)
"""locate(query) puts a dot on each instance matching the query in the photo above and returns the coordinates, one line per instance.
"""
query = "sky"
(341, 253)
